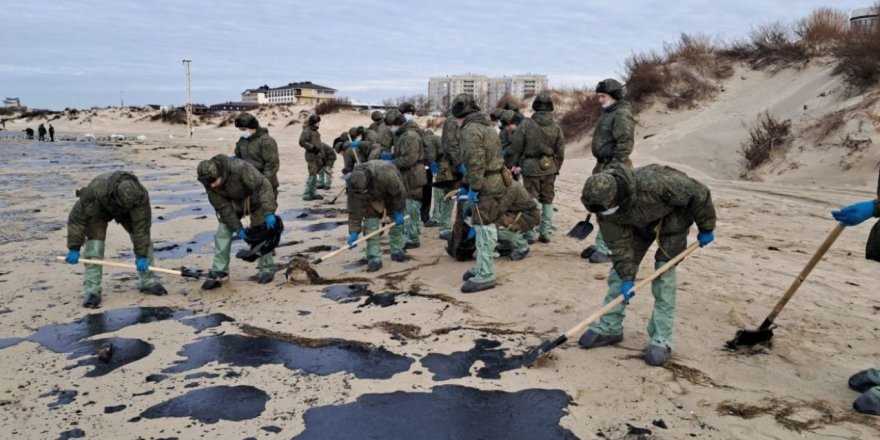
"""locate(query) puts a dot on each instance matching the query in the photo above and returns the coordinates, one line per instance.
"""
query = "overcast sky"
(81, 53)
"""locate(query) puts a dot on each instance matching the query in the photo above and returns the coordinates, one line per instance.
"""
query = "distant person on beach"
(51, 133)
(41, 131)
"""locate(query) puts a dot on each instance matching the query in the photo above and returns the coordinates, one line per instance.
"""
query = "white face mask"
(408, 117)
(245, 134)
(609, 211)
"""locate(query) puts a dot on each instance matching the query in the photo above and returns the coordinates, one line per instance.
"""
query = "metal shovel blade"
(748, 338)
(581, 230)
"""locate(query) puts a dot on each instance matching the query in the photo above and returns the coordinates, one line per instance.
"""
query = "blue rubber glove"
(72, 257)
(271, 221)
(462, 169)
(504, 153)
(472, 233)
(142, 264)
(386, 156)
(435, 169)
(473, 197)
(854, 214)
(241, 234)
(398, 218)
(352, 237)
(705, 238)
(354, 144)
(626, 291)
(461, 195)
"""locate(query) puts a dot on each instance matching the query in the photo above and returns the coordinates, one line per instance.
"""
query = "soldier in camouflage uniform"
(612, 145)
(385, 137)
(325, 174)
(257, 148)
(510, 120)
(495, 117)
(432, 149)
(481, 149)
(449, 175)
(537, 151)
(374, 188)
(111, 196)
(637, 207)
(409, 151)
(521, 214)
(361, 147)
(866, 382)
(235, 188)
(310, 140)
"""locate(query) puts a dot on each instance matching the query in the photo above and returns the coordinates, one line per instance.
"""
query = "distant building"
(303, 93)
(234, 107)
(487, 91)
(12, 103)
(865, 17)
(199, 109)
(257, 95)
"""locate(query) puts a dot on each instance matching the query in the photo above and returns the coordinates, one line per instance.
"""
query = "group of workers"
(497, 169)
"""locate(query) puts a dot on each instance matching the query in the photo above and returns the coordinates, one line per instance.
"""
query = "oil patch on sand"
(210, 405)
(446, 413)
(458, 364)
(315, 356)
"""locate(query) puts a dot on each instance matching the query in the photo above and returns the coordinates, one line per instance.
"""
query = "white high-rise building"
(487, 91)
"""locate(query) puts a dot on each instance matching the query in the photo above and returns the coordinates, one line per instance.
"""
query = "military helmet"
(509, 117)
(600, 192)
(463, 105)
(376, 116)
(246, 120)
(394, 117)
(354, 132)
(208, 171)
(496, 114)
(543, 103)
(130, 193)
(610, 87)
(407, 107)
(510, 106)
(314, 120)
(358, 181)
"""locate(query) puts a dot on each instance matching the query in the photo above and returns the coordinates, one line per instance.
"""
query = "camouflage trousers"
(94, 273)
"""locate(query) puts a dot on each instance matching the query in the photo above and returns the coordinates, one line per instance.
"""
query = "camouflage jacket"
(261, 151)
(386, 193)
(363, 153)
(537, 137)
(408, 153)
(241, 182)
(506, 137)
(481, 149)
(383, 133)
(449, 143)
(519, 211)
(310, 139)
(657, 199)
(613, 138)
(432, 148)
(97, 203)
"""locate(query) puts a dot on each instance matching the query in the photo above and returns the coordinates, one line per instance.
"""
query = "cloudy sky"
(61, 53)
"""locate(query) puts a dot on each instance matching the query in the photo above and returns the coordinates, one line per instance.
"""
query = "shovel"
(337, 196)
(582, 229)
(183, 271)
(764, 333)
(359, 241)
(532, 355)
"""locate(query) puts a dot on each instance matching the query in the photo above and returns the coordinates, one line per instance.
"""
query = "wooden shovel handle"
(122, 265)
(359, 241)
(823, 248)
(578, 329)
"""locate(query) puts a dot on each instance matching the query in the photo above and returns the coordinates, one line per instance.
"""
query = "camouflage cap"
(600, 192)
(314, 120)
(246, 120)
(353, 132)
(463, 105)
(358, 181)
(610, 87)
(496, 114)
(543, 103)
(510, 106)
(376, 116)
(394, 117)
(130, 193)
(407, 107)
(208, 171)
(508, 117)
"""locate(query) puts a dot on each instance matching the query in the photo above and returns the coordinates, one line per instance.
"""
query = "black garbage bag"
(262, 240)
(872, 248)
(458, 246)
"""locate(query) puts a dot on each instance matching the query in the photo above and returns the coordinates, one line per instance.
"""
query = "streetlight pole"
(189, 118)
